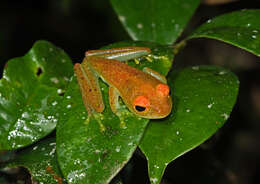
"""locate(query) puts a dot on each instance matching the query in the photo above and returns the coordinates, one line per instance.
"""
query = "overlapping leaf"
(240, 28)
(30, 89)
(203, 98)
(153, 20)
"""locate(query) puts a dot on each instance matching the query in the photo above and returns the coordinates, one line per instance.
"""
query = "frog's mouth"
(159, 112)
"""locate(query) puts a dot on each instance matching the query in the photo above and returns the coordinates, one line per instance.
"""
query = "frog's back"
(120, 75)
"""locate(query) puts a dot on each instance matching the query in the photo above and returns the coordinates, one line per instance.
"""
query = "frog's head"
(153, 102)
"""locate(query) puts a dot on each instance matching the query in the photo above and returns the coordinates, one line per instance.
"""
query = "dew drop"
(25, 115)
(52, 151)
(154, 180)
(121, 18)
(225, 116)
(66, 78)
(222, 72)
(97, 151)
(195, 68)
(139, 26)
(54, 80)
(210, 105)
(156, 166)
(52, 144)
(117, 148)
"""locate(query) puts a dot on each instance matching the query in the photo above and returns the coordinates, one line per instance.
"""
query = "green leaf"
(31, 87)
(94, 149)
(203, 98)
(40, 160)
(239, 28)
(153, 20)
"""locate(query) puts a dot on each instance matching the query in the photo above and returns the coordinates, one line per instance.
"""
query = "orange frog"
(145, 92)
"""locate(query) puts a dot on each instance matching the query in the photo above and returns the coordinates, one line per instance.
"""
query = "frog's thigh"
(113, 99)
(155, 74)
(121, 54)
(89, 87)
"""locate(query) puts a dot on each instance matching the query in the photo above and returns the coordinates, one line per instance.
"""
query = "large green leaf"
(94, 149)
(30, 89)
(40, 160)
(153, 20)
(240, 28)
(203, 98)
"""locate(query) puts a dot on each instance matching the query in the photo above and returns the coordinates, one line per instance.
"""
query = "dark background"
(232, 155)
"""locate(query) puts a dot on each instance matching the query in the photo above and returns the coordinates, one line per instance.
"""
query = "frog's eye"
(163, 89)
(140, 108)
(141, 104)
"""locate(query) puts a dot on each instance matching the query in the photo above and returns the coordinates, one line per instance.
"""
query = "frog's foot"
(99, 117)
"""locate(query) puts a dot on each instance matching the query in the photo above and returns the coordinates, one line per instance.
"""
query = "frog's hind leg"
(155, 74)
(121, 54)
(89, 87)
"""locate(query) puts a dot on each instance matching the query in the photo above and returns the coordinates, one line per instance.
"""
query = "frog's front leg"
(115, 106)
(89, 87)
(113, 100)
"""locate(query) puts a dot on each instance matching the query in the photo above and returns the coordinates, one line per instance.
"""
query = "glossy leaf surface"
(240, 28)
(153, 20)
(30, 89)
(94, 149)
(203, 98)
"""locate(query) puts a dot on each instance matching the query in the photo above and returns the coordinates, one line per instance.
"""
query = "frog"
(144, 92)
